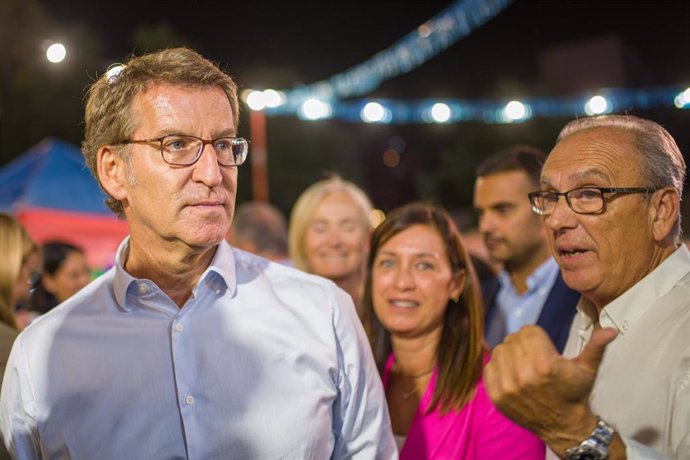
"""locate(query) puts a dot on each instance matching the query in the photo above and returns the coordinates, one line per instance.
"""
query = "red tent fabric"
(54, 195)
(99, 236)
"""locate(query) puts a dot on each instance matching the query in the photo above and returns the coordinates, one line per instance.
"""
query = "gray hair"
(660, 158)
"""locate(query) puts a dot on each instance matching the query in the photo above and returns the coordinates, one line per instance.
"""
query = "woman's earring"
(455, 298)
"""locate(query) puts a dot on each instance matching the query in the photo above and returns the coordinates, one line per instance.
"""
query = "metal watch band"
(596, 446)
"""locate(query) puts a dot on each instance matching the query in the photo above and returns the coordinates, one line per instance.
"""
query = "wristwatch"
(596, 447)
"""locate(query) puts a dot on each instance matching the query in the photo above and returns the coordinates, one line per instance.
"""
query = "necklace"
(407, 394)
(421, 374)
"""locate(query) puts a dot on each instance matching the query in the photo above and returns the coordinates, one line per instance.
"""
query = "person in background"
(329, 235)
(260, 228)
(188, 348)
(20, 259)
(422, 291)
(530, 288)
(610, 199)
(64, 272)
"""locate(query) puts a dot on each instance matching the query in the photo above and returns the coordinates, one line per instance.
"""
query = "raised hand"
(532, 384)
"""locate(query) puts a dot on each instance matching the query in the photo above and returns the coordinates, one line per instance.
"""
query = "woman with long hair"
(19, 261)
(427, 338)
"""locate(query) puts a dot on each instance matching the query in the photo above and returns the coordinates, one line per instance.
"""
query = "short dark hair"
(517, 158)
(54, 255)
(262, 224)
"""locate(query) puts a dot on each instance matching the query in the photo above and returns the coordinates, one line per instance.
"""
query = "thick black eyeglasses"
(184, 150)
(583, 200)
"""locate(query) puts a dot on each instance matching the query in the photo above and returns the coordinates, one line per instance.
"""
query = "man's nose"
(207, 168)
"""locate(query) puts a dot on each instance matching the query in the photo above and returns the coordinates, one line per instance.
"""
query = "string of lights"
(324, 99)
(429, 39)
(610, 100)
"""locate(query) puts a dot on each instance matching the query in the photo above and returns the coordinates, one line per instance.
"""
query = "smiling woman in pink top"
(427, 338)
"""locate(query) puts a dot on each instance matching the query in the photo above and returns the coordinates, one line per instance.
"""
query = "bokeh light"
(56, 53)
(440, 112)
(596, 105)
(314, 109)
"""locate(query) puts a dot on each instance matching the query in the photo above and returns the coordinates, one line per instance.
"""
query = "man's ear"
(112, 172)
(664, 212)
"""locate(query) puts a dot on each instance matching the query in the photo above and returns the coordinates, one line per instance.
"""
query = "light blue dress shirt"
(262, 362)
(514, 310)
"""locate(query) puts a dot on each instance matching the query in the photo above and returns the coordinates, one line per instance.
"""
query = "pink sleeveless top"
(478, 431)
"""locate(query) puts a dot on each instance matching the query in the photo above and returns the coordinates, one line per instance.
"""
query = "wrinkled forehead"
(605, 154)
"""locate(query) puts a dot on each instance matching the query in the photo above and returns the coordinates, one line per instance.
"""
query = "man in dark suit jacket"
(529, 289)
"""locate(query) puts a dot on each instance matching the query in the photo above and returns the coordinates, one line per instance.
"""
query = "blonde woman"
(329, 234)
(20, 258)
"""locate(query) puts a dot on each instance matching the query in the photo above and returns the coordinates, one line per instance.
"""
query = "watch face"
(587, 456)
(585, 452)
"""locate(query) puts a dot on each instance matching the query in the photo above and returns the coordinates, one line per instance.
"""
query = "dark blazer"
(555, 316)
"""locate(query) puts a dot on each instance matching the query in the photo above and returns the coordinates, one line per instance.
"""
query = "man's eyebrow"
(502, 204)
(230, 132)
(580, 175)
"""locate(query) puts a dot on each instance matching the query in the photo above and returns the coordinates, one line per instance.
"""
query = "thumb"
(593, 352)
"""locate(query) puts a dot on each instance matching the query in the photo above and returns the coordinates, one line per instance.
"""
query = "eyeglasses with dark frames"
(582, 200)
(185, 150)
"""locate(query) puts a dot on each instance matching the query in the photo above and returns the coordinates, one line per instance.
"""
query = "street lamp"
(56, 53)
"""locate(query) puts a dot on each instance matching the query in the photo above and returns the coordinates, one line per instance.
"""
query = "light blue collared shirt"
(514, 310)
(262, 362)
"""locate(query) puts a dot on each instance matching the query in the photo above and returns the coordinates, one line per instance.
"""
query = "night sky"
(283, 44)
(280, 45)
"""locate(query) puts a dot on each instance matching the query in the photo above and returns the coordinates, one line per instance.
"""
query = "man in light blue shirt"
(517, 309)
(530, 288)
(188, 348)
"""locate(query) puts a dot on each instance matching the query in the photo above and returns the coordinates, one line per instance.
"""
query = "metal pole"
(259, 155)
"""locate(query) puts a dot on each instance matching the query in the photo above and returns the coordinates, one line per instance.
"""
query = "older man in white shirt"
(610, 199)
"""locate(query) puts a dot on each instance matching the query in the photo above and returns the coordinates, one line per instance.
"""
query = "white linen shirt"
(643, 384)
(262, 362)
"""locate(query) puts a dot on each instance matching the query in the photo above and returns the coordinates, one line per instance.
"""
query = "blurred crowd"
(230, 330)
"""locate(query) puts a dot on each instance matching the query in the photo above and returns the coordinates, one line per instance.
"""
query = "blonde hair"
(108, 114)
(15, 246)
(304, 208)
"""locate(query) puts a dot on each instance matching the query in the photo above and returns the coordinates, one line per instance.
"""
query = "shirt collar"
(543, 274)
(220, 274)
(625, 310)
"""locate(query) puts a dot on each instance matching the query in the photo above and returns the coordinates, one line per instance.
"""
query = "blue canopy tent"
(51, 191)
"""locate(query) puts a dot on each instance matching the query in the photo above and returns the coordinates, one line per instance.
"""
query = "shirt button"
(625, 325)
(142, 288)
(217, 291)
(189, 399)
(179, 327)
